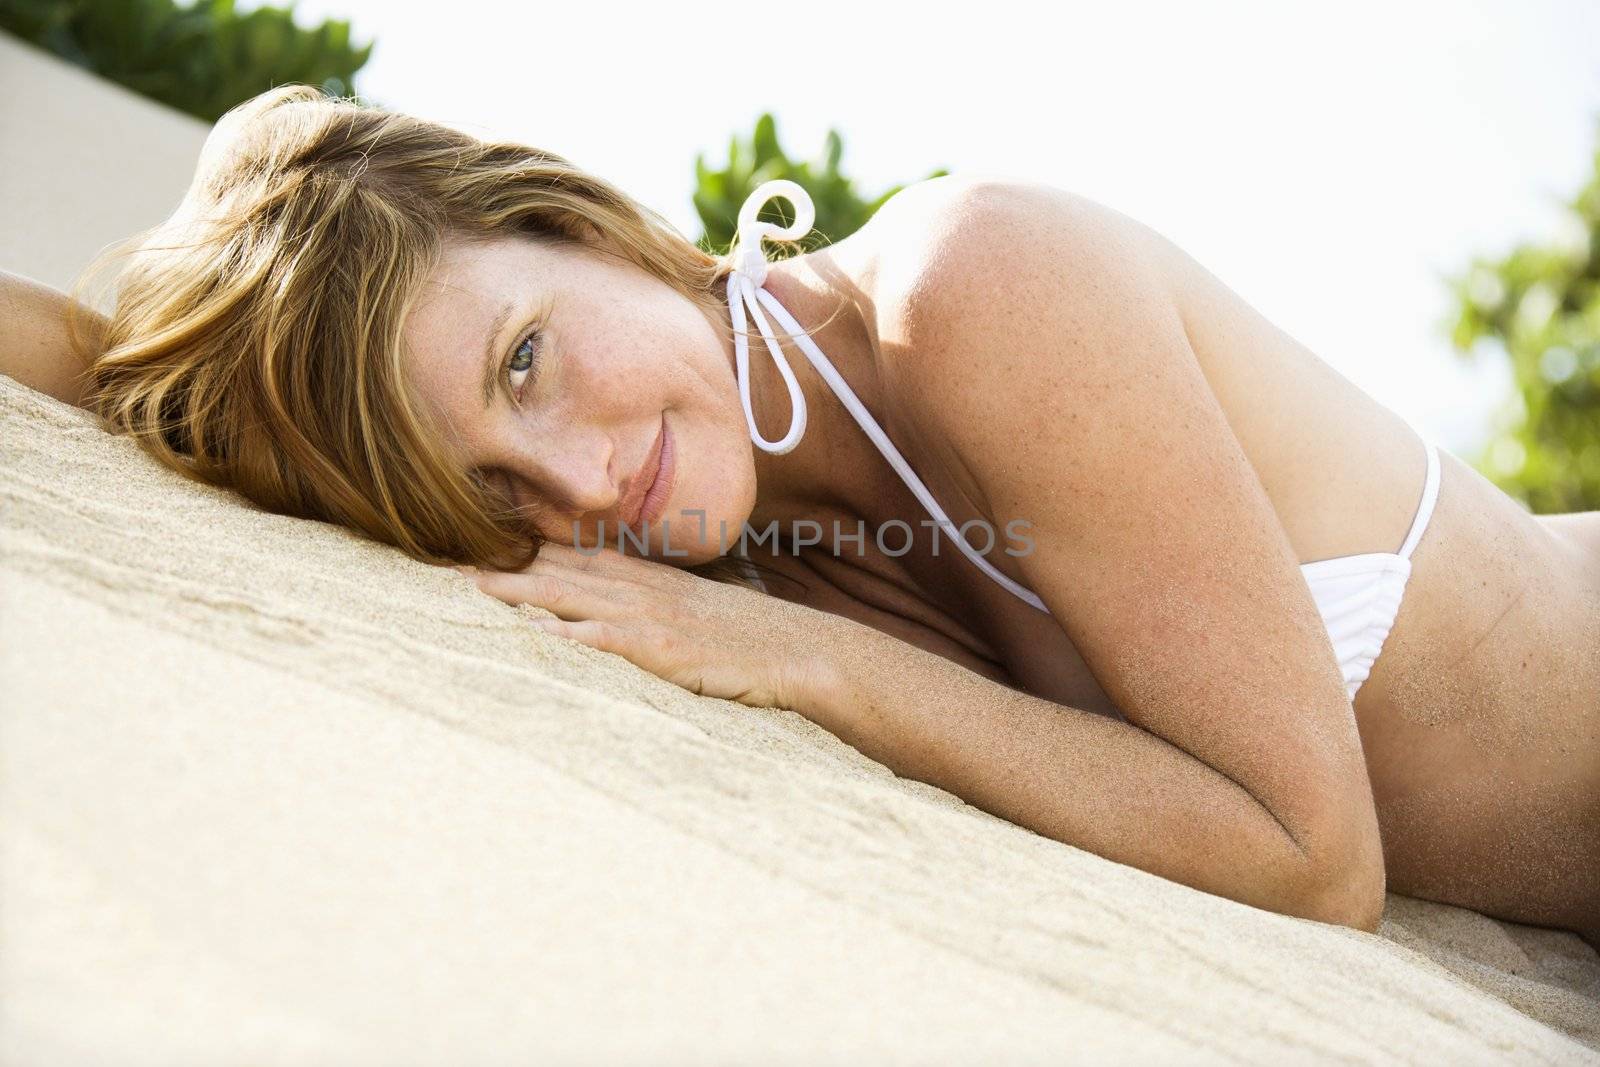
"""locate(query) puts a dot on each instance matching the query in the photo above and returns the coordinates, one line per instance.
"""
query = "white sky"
(1328, 163)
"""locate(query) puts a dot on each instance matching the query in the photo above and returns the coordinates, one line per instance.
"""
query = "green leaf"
(720, 192)
(1537, 308)
(202, 58)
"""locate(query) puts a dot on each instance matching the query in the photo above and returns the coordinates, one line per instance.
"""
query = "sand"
(274, 794)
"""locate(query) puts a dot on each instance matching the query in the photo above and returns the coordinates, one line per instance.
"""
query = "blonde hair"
(255, 343)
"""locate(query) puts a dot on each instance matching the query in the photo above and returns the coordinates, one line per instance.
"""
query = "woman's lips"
(660, 491)
(632, 506)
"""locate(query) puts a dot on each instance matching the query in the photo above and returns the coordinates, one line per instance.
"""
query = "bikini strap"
(745, 292)
(1430, 494)
(744, 284)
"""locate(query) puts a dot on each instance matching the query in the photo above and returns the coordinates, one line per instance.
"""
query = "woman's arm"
(1042, 346)
(35, 340)
(1084, 779)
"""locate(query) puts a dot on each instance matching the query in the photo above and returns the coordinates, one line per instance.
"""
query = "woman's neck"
(834, 473)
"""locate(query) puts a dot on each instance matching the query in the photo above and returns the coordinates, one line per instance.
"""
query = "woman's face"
(599, 377)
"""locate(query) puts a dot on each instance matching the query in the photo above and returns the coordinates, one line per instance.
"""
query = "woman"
(1201, 538)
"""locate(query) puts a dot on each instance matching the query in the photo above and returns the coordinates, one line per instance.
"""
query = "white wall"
(83, 163)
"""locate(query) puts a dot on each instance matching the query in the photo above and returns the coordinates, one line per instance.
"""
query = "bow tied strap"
(745, 294)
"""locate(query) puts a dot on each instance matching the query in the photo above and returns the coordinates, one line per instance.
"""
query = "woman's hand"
(711, 638)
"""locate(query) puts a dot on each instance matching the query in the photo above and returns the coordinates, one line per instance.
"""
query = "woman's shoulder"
(950, 256)
(38, 343)
(997, 284)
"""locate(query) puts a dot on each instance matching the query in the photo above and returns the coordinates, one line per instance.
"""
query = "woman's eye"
(522, 362)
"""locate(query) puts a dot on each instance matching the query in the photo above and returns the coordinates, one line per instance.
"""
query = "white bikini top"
(1358, 596)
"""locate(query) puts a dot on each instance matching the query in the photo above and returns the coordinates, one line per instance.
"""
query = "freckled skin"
(620, 352)
(1480, 723)
(1483, 723)
(1480, 720)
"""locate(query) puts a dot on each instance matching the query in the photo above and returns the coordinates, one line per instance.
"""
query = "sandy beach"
(274, 794)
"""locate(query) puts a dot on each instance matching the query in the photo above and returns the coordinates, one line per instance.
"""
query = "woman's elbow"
(1345, 893)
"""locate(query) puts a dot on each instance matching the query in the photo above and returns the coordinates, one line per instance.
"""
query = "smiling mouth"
(656, 497)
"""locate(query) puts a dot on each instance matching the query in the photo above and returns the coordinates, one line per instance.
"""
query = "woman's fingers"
(558, 595)
(710, 638)
(596, 633)
(559, 555)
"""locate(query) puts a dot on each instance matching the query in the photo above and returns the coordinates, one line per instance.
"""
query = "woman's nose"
(589, 490)
(572, 476)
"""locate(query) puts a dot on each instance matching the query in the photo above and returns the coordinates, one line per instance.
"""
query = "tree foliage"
(201, 58)
(1539, 307)
(719, 193)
